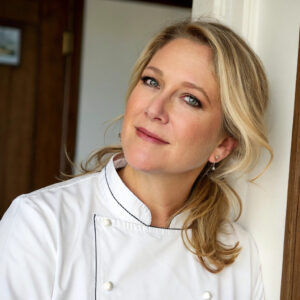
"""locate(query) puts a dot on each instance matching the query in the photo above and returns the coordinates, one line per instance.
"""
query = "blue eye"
(191, 100)
(150, 81)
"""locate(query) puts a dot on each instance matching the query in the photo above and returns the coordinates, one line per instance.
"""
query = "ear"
(224, 148)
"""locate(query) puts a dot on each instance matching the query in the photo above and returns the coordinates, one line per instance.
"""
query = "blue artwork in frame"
(10, 45)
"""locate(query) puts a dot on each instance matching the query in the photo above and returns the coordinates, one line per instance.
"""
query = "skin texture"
(185, 121)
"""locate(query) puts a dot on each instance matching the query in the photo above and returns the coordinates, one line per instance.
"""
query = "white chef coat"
(90, 238)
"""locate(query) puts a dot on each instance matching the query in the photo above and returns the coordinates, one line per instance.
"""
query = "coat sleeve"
(257, 278)
(27, 252)
(248, 264)
(258, 288)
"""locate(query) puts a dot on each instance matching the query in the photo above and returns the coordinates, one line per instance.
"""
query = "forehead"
(186, 54)
(188, 46)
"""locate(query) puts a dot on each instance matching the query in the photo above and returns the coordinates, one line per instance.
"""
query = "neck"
(162, 194)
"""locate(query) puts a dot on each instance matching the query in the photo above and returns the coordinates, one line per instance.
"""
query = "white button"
(207, 295)
(106, 222)
(108, 286)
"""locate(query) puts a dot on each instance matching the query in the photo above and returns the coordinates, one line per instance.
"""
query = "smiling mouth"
(149, 136)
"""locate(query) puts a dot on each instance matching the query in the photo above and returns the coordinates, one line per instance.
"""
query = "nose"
(157, 109)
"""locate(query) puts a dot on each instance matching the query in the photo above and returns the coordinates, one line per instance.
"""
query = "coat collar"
(128, 201)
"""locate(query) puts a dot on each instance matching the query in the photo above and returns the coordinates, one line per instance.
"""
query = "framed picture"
(10, 45)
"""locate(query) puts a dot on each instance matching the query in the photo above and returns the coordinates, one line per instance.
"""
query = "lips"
(149, 136)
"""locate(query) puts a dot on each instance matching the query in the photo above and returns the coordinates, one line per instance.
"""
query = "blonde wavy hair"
(243, 92)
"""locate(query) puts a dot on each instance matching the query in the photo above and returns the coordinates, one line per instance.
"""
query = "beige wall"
(114, 34)
(272, 28)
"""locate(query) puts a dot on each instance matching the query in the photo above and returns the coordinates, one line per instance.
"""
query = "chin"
(142, 162)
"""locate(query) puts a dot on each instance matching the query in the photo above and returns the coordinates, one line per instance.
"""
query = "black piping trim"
(96, 264)
(130, 212)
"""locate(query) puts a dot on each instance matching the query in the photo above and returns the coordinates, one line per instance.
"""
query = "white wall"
(114, 34)
(272, 28)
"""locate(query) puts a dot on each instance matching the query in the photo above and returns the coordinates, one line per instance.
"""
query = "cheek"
(133, 112)
(199, 130)
(199, 135)
(135, 104)
(130, 111)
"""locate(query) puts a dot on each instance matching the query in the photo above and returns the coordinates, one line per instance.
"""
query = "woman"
(151, 219)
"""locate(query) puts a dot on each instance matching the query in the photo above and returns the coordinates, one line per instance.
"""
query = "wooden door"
(290, 287)
(38, 97)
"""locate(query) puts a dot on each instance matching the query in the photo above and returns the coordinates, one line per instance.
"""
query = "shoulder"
(67, 199)
(45, 210)
(73, 191)
(234, 233)
(68, 185)
(245, 239)
(247, 264)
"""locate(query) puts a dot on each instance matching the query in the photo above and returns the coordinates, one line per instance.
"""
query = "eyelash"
(145, 78)
(197, 104)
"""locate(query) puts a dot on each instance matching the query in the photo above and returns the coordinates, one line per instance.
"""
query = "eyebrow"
(185, 83)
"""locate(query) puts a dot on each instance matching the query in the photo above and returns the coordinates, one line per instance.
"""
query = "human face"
(172, 122)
